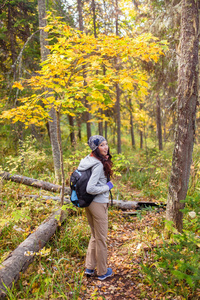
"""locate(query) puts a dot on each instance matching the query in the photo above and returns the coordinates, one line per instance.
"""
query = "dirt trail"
(123, 258)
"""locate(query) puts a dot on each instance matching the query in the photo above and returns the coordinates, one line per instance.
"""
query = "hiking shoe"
(89, 272)
(108, 274)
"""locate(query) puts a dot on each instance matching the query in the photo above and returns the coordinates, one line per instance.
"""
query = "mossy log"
(17, 261)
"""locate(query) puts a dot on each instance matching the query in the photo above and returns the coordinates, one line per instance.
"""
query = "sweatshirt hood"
(88, 162)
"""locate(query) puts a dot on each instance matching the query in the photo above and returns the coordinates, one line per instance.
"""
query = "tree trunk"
(132, 130)
(43, 35)
(72, 134)
(101, 128)
(118, 114)
(87, 114)
(100, 124)
(159, 126)
(106, 130)
(164, 128)
(52, 114)
(61, 157)
(12, 39)
(131, 123)
(34, 182)
(141, 139)
(79, 128)
(54, 144)
(94, 18)
(187, 103)
(81, 28)
(80, 14)
(119, 150)
(19, 259)
(88, 125)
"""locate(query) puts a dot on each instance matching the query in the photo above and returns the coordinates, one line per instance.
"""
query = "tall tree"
(118, 114)
(19, 22)
(18, 44)
(81, 28)
(186, 115)
(52, 124)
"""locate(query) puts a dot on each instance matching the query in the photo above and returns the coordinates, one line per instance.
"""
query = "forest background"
(72, 69)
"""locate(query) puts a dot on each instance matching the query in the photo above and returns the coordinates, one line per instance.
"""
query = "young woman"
(97, 212)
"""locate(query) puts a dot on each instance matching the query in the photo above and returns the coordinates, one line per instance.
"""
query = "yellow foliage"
(74, 69)
(18, 85)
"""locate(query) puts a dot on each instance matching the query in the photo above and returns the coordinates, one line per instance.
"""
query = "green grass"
(138, 173)
(57, 274)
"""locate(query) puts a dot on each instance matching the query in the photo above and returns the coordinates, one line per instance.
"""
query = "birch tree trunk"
(187, 102)
(52, 124)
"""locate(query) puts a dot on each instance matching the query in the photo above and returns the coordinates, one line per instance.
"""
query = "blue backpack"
(78, 183)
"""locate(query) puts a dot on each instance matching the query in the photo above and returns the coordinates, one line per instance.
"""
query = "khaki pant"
(97, 215)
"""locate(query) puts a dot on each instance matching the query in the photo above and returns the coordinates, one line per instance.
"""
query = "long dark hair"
(107, 163)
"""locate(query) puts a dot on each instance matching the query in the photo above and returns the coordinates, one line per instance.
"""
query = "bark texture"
(80, 14)
(187, 102)
(43, 35)
(18, 261)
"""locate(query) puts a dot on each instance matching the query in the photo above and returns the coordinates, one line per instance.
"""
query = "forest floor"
(133, 236)
(126, 251)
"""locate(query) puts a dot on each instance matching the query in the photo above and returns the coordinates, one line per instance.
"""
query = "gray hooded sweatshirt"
(97, 182)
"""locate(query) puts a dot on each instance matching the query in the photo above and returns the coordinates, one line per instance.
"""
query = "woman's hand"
(110, 185)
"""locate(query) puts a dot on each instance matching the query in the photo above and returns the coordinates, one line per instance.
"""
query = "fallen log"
(34, 182)
(121, 204)
(117, 203)
(57, 188)
(18, 260)
(43, 197)
(124, 205)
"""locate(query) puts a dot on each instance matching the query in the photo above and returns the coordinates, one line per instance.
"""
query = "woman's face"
(103, 148)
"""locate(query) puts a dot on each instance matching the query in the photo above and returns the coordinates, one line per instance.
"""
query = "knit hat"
(95, 140)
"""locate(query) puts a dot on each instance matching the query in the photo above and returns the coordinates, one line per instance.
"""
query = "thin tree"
(186, 111)
(131, 123)
(52, 124)
(159, 125)
(118, 106)
(81, 28)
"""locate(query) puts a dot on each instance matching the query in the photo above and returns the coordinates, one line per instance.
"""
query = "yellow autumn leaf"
(18, 85)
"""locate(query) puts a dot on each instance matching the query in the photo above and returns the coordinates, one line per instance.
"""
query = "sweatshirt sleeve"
(92, 186)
